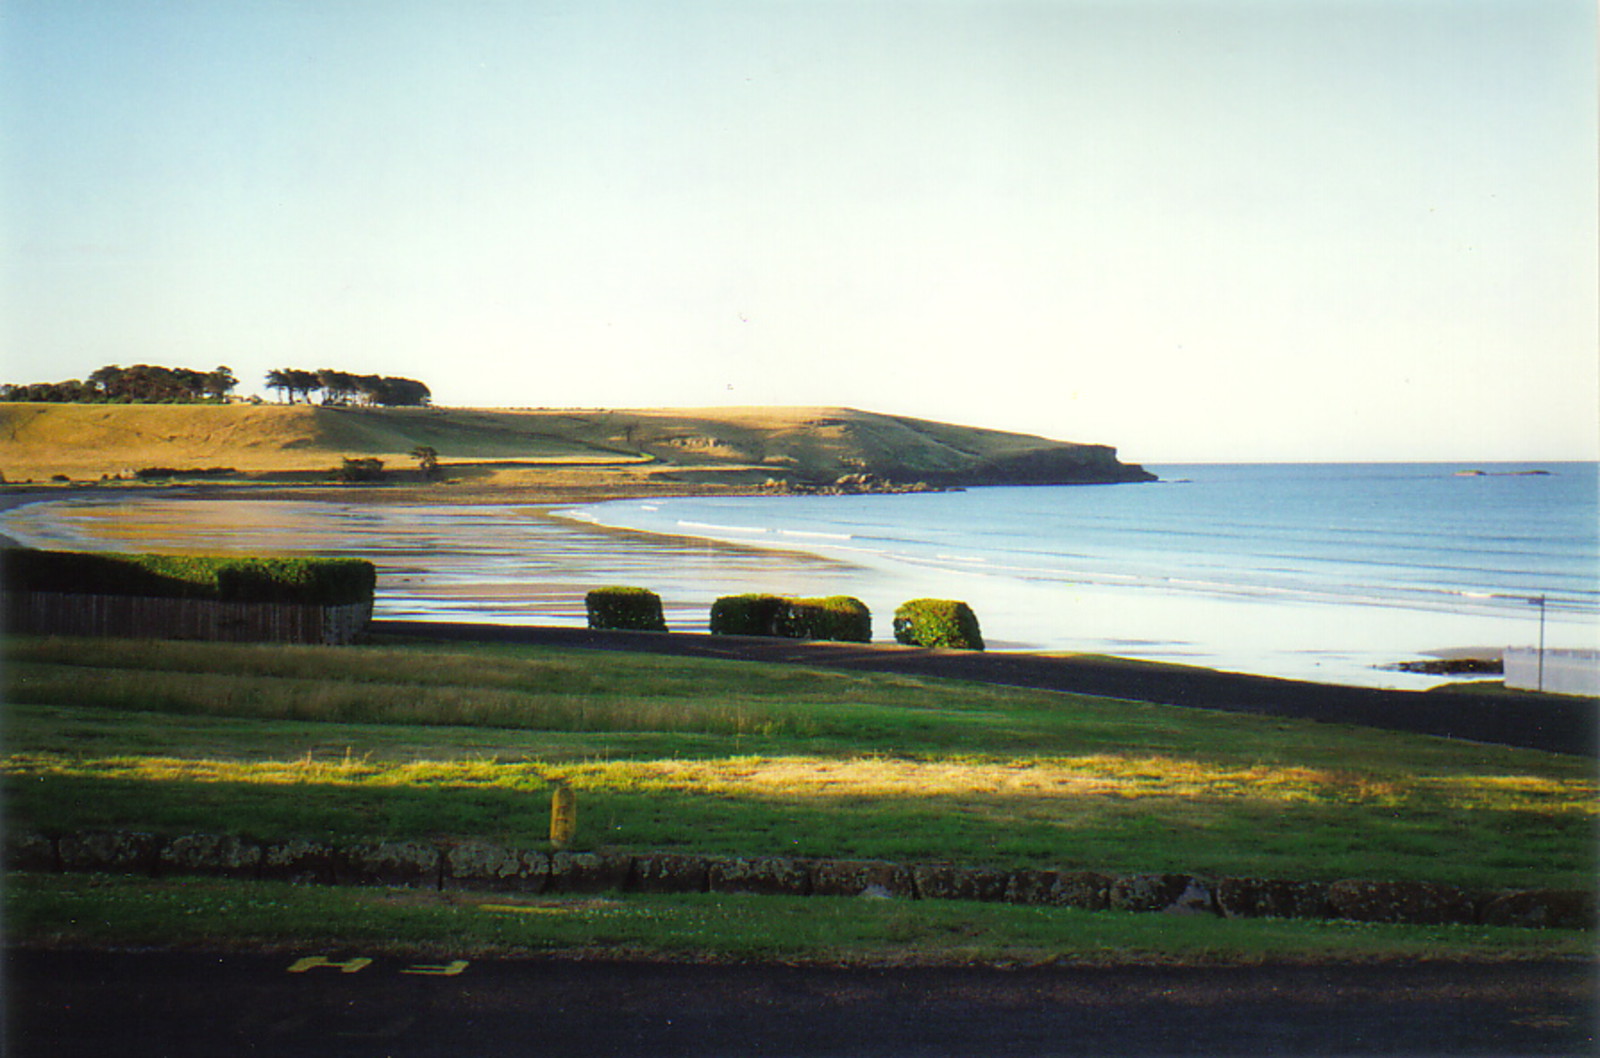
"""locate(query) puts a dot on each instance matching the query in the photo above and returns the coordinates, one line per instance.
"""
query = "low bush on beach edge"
(835, 618)
(753, 614)
(937, 623)
(839, 618)
(625, 609)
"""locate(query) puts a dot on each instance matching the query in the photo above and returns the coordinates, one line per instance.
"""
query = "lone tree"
(427, 461)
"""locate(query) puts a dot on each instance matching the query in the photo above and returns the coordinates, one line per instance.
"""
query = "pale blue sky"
(1195, 229)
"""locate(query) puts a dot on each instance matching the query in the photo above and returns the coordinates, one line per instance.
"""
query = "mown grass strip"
(220, 914)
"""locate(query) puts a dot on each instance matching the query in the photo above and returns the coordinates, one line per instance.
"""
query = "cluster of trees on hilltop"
(139, 384)
(340, 388)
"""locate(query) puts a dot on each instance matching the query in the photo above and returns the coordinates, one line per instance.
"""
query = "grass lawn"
(409, 740)
(210, 913)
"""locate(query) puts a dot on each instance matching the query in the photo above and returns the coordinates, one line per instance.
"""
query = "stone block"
(589, 872)
(860, 877)
(298, 860)
(1542, 909)
(947, 881)
(764, 876)
(399, 863)
(30, 852)
(1271, 898)
(481, 865)
(119, 851)
(670, 873)
(218, 854)
(1081, 889)
(1171, 893)
(1416, 903)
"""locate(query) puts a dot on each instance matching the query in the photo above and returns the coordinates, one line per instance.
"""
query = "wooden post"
(563, 816)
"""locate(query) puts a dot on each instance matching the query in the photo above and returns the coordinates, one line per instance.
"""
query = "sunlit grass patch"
(1098, 812)
(803, 778)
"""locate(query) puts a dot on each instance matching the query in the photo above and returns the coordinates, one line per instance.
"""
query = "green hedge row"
(303, 581)
(746, 615)
(838, 618)
(625, 609)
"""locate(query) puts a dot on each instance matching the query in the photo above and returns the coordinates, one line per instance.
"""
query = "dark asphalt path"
(141, 1005)
(1557, 725)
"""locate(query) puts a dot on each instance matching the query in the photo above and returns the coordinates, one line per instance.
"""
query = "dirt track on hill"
(1555, 725)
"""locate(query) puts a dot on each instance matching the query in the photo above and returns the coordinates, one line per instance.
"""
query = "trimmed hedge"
(746, 615)
(625, 609)
(835, 617)
(937, 623)
(300, 581)
(839, 618)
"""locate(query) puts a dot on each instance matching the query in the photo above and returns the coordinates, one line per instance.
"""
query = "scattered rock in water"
(848, 485)
(1451, 667)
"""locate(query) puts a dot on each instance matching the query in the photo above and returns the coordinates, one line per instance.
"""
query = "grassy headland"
(580, 449)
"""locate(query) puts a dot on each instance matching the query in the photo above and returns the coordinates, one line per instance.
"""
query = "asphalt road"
(1550, 723)
(133, 1005)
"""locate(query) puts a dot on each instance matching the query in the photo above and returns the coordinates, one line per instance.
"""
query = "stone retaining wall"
(64, 614)
(476, 865)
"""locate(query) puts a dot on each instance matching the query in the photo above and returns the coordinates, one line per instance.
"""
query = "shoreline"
(446, 584)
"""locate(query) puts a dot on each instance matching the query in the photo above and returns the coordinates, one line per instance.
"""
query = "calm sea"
(1316, 571)
(1321, 571)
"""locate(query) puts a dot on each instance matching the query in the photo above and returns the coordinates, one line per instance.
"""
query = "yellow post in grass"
(563, 816)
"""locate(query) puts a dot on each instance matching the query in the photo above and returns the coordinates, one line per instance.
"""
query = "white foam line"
(814, 535)
(721, 528)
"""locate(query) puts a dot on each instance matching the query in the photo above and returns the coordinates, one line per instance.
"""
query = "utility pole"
(1540, 600)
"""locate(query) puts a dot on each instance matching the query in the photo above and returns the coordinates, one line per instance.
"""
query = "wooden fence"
(60, 614)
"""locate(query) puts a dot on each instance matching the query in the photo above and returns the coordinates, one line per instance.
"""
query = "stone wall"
(62, 614)
(484, 866)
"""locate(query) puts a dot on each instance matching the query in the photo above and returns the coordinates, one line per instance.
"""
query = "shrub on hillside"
(150, 473)
(746, 615)
(837, 617)
(304, 581)
(361, 471)
(937, 623)
(625, 609)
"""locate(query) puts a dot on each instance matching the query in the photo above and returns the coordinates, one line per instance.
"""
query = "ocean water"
(1326, 572)
(1315, 571)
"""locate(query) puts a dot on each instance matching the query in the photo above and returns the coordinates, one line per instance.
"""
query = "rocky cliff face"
(901, 451)
(1062, 465)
